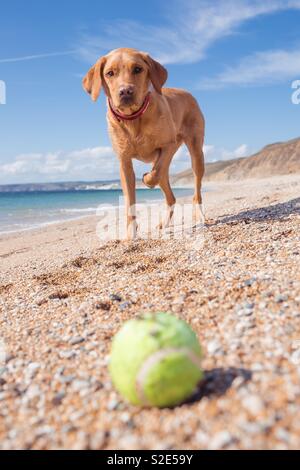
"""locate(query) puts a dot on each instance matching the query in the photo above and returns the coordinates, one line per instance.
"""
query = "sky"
(239, 58)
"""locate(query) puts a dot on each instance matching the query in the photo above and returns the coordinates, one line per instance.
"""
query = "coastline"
(77, 237)
(240, 291)
(53, 214)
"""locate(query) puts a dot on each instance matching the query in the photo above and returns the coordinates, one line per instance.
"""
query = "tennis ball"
(155, 360)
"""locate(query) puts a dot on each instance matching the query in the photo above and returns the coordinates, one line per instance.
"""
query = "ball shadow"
(216, 382)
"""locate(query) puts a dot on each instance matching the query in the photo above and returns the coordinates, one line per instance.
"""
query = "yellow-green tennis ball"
(155, 360)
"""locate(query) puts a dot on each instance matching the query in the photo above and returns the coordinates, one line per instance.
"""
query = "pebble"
(3, 370)
(215, 347)
(32, 392)
(66, 379)
(281, 298)
(245, 312)
(113, 405)
(177, 308)
(253, 404)
(202, 438)
(283, 435)
(97, 440)
(262, 305)
(103, 306)
(76, 340)
(295, 314)
(43, 431)
(295, 357)
(125, 305)
(67, 354)
(238, 382)
(125, 417)
(32, 369)
(242, 326)
(3, 396)
(57, 400)
(179, 300)
(78, 385)
(250, 282)
(115, 297)
(221, 440)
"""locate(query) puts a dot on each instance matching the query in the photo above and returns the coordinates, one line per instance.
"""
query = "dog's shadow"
(217, 382)
(279, 212)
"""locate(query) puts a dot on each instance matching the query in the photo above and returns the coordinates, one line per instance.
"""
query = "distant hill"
(276, 159)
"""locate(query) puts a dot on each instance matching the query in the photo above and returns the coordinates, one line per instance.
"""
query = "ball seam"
(153, 360)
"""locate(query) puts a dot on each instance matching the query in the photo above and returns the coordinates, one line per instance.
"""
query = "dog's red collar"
(131, 117)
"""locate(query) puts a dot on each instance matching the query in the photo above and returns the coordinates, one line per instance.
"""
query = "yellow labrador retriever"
(148, 123)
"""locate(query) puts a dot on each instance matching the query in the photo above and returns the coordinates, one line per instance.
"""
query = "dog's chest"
(135, 139)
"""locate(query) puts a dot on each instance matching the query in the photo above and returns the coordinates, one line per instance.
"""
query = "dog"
(149, 123)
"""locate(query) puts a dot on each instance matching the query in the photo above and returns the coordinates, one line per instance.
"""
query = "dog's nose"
(126, 91)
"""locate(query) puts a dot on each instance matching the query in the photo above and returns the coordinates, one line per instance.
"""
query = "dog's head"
(125, 75)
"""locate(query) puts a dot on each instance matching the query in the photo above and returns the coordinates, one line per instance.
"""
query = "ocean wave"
(92, 210)
(104, 187)
(75, 210)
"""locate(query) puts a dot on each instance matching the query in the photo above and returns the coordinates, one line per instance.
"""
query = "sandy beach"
(64, 294)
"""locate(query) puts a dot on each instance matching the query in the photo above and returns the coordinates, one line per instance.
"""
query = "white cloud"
(98, 163)
(212, 153)
(191, 31)
(262, 68)
(36, 57)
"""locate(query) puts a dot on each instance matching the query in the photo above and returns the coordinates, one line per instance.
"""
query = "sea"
(24, 209)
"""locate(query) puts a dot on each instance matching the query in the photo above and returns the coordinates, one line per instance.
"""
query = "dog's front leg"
(128, 186)
(152, 179)
(160, 164)
(160, 176)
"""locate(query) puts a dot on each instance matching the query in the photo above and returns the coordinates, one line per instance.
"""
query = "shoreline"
(92, 210)
(77, 236)
(209, 186)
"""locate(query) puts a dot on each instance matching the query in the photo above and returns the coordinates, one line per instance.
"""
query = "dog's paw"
(132, 231)
(148, 181)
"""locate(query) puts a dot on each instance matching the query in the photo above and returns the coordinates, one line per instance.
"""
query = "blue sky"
(238, 57)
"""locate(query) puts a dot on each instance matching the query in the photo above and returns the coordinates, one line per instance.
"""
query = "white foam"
(75, 210)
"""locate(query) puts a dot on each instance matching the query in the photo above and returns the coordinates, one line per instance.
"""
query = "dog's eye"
(137, 70)
(110, 73)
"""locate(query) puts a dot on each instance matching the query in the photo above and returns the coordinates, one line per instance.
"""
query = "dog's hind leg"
(195, 147)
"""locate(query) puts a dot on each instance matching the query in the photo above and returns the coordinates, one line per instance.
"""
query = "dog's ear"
(93, 80)
(158, 74)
